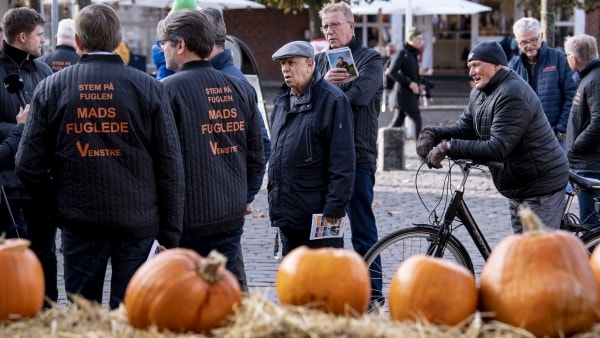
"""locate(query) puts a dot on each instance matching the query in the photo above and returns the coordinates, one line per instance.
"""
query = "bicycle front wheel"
(591, 240)
(384, 258)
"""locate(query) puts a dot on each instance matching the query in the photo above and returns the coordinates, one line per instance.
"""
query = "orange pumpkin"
(595, 264)
(541, 281)
(21, 280)
(179, 290)
(329, 279)
(435, 289)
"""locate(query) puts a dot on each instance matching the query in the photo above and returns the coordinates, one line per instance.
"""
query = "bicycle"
(437, 239)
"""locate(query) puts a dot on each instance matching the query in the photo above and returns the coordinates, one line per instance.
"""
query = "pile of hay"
(258, 317)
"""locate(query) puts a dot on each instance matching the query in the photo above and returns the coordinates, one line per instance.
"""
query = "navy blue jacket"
(224, 62)
(63, 56)
(364, 94)
(219, 129)
(101, 141)
(312, 164)
(554, 84)
(504, 122)
(583, 133)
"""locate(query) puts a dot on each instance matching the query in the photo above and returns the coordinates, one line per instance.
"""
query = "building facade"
(448, 37)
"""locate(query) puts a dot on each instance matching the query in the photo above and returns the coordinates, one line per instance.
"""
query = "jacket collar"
(223, 59)
(496, 80)
(101, 57)
(20, 57)
(585, 70)
(354, 44)
(196, 64)
(303, 102)
(540, 55)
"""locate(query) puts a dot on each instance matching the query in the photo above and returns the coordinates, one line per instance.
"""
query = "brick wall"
(592, 24)
(264, 31)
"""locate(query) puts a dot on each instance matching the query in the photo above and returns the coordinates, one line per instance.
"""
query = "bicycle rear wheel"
(397, 246)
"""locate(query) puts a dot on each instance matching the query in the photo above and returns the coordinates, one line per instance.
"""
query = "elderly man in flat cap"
(312, 163)
(504, 123)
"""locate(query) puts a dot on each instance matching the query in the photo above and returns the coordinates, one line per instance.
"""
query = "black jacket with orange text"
(218, 122)
(101, 141)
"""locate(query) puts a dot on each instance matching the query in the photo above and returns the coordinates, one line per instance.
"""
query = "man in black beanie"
(504, 123)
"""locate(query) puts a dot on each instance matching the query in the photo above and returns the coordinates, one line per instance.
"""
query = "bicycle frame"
(458, 208)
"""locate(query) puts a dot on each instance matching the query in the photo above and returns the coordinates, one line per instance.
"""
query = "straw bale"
(257, 318)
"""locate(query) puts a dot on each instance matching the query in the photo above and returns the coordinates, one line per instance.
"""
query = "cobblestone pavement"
(396, 205)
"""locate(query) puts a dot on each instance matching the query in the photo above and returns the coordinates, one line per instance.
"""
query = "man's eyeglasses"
(162, 43)
(533, 41)
(333, 26)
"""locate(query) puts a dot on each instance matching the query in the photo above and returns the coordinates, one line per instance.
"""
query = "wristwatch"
(560, 136)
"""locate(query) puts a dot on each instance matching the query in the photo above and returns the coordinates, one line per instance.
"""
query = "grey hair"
(192, 26)
(337, 7)
(220, 28)
(527, 25)
(583, 46)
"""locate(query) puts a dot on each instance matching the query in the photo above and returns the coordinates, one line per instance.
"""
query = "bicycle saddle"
(590, 184)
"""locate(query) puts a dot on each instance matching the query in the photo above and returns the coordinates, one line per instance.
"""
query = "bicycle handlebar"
(471, 163)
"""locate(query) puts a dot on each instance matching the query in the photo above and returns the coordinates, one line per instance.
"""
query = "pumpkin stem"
(532, 224)
(207, 268)
(2, 237)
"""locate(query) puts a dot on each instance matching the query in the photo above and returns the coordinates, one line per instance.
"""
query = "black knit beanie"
(488, 51)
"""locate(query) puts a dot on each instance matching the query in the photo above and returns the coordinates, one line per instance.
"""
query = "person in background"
(158, 56)
(313, 160)
(221, 59)
(388, 82)
(583, 129)
(547, 72)
(404, 69)
(124, 52)
(65, 54)
(504, 125)
(21, 48)
(218, 122)
(364, 94)
(506, 43)
(114, 192)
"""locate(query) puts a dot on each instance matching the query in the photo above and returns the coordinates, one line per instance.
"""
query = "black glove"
(437, 155)
(425, 143)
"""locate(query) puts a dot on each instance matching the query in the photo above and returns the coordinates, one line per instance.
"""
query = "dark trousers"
(86, 259)
(362, 224)
(398, 119)
(292, 238)
(225, 243)
(30, 221)
(587, 202)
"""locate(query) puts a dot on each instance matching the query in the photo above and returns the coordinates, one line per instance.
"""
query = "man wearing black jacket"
(218, 122)
(24, 38)
(65, 54)
(364, 94)
(504, 122)
(101, 142)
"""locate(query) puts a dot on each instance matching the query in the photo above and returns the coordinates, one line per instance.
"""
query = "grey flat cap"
(295, 48)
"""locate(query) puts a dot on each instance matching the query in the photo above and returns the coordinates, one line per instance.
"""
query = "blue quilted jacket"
(555, 85)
